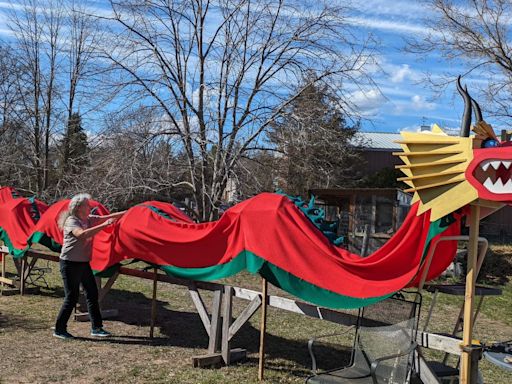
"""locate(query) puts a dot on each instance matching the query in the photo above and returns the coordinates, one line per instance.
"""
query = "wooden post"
(22, 275)
(215, 323)
(227, 314)
(153, 304)
(467, 333)
(2, 255)
(263, 328)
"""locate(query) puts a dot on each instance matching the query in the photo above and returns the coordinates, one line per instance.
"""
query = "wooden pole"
(22, 275)
(263, 328)
(2, 255)
(153, 304)
(465, 375)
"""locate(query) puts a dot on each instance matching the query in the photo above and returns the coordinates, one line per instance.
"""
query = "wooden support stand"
(466, 376)
(216, 359)
(153, 304)
(215, 325)
(263, 329)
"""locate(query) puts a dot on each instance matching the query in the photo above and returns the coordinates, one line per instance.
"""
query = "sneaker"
(63, 335)
(100, 332)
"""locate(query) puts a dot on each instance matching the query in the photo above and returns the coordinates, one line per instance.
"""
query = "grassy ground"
(31, 355)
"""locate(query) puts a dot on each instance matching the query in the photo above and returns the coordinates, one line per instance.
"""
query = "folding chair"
(383, 348)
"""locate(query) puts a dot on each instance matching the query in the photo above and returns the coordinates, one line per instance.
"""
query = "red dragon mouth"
(490, 173)
(495, 175)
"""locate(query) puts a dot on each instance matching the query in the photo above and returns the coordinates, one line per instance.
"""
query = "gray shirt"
(74, 249)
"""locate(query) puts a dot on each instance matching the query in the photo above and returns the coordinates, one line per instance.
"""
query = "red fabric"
(48, 223)
(267, 225)
(444, 254)
(17, 219)
(6, 194)
(273, 228)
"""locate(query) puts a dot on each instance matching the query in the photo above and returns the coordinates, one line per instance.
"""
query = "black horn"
(466, 117)
(476, 110)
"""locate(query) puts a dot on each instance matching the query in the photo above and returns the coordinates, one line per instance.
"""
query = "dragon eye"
(490, 143)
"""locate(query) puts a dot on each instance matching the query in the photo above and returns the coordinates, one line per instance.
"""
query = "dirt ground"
(31, 355)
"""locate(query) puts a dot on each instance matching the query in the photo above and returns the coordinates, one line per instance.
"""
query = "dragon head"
(448, 172)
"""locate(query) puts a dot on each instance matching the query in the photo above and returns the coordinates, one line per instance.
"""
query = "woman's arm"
(115, 215)
(80, 233)
(97, 219)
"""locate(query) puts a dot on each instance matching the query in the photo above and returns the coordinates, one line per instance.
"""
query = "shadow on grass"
(185, 329)
(19, 322)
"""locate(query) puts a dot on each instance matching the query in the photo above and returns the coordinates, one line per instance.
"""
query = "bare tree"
(220, 72)
(475, 37)
(37, 28)
(127, 164)
(9, 71)
(79, 68)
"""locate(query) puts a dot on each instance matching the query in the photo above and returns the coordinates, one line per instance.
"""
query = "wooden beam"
(169, 279)
(467, 333)
(438, 342)
(3, 256)
(300, 307)
(426, 340)
(227, 317)
(424, 371)
(153, 304)
(5, 280)
(263, 329)
(215, 359)
(244, 316)
(22, 275)
(213, 342)
(199, 304)
(108, 285)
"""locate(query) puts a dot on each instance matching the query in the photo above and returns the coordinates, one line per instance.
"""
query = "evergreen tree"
(313, 142)
(74, 146)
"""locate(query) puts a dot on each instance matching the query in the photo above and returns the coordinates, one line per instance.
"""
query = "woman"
(79, 227)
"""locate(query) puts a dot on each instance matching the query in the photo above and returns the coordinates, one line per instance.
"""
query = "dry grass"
(31, 355)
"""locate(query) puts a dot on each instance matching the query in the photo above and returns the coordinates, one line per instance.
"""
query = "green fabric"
(276, 276)
(44, 239)
(252, 263)
(435, 228)
(108, 272)
(16, 253)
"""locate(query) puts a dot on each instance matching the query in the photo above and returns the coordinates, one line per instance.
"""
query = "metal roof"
(376, 141)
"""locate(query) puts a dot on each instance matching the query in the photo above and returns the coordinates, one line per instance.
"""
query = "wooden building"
(376, 148)
(368, 216)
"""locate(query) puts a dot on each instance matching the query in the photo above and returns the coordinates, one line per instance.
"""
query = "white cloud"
(401, 73)
(410, 128)
(391, 26)
(367, 102)
(419, 103)
(402, 8)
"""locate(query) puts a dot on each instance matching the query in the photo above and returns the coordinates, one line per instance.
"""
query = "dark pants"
(73, 273)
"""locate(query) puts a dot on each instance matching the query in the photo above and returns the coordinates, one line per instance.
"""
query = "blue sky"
(401, 101)
(404, 102)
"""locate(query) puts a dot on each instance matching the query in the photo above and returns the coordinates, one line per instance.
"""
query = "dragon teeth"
(498, 187)
(495, 164)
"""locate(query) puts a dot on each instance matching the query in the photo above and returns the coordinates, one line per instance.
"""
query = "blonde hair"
(75, 202)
